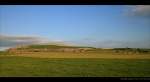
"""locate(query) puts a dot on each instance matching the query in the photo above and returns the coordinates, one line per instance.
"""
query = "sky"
(101, 26)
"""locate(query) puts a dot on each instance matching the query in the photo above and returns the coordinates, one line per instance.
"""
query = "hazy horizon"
(102, 26)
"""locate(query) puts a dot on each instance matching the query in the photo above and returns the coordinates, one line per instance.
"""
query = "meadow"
(100, 63)
(53, 67)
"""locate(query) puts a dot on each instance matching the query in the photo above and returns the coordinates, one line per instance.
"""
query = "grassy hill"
(58, 48)
(55, 46)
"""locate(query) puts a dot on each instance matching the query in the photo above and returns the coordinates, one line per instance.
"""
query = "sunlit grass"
(82, 55)
(101, 63)
(26, 66)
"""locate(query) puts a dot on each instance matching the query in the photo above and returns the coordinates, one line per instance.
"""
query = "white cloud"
(24, 39)
(139, 10)
(11, 41)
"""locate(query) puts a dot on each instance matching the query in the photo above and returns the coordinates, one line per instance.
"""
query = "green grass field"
(77, 67)
(95, 63)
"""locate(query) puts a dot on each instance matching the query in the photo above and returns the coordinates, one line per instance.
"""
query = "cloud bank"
(12, 41)
(140, 10)
(7, 41)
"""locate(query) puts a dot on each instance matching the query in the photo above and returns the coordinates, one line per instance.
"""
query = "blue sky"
(90, 25)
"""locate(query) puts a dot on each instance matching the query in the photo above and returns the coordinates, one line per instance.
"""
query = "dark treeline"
(139, 50)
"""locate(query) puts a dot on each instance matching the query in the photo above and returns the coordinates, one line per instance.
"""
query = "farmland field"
(58, 64)
(80, 55)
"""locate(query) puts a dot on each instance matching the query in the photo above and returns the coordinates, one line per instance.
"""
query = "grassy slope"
(53, 46)
(76, 64)
(95, 53)
(4, 53)
(24, 66)
(82, 55)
